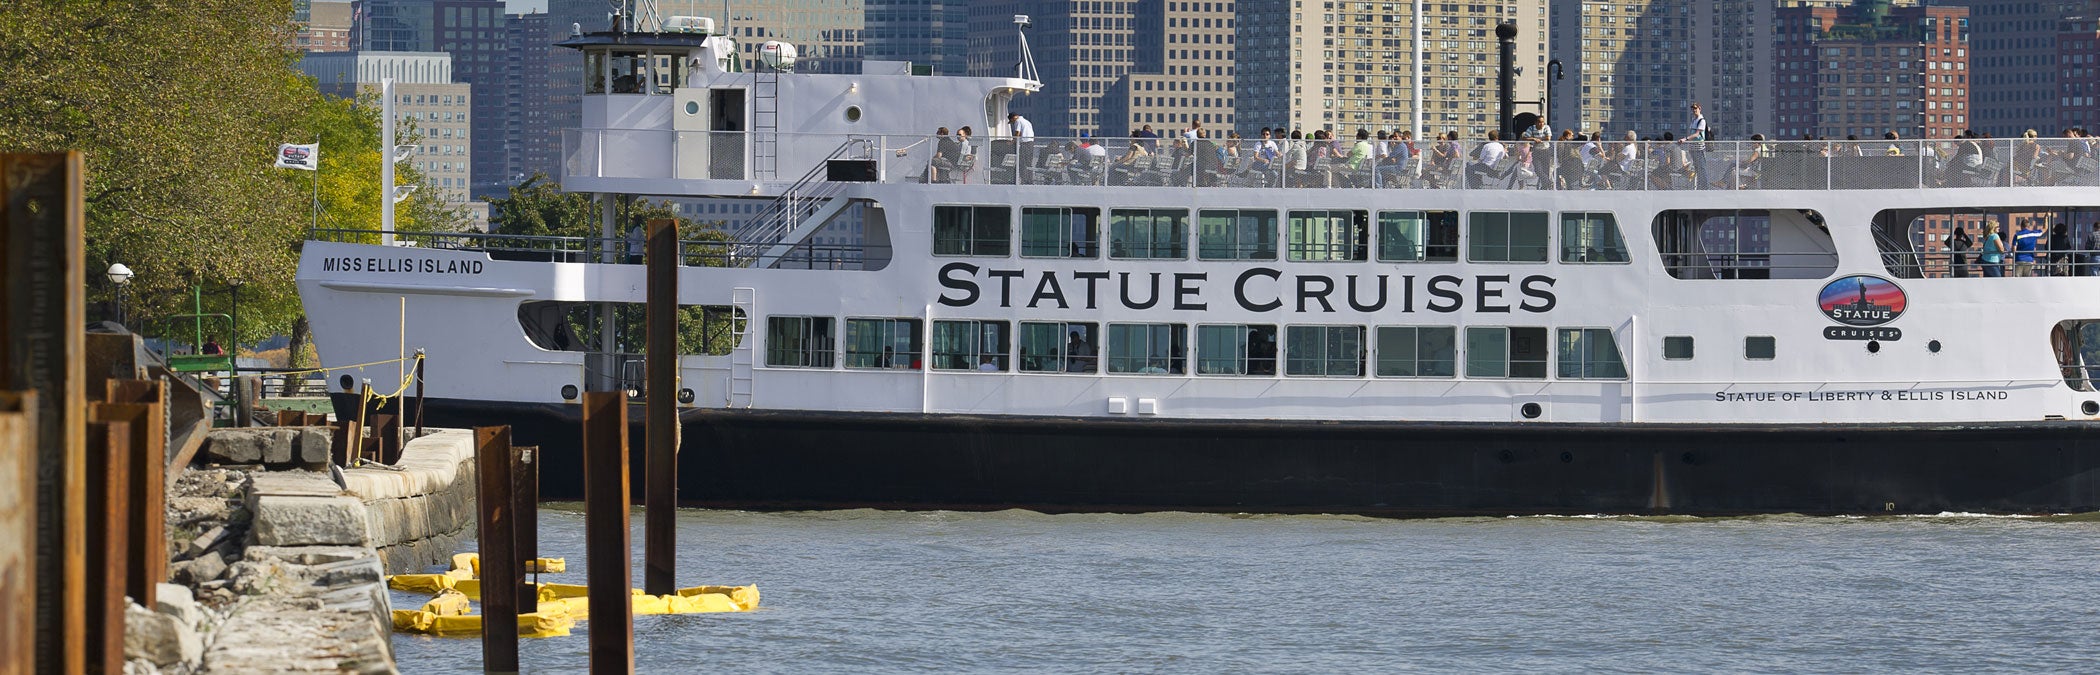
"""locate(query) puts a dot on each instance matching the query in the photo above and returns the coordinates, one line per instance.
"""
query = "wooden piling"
(500, 570)
(108, 535)
(606, 544)
(419, 393)
(43, 285)
(525, 504)
(660, 524)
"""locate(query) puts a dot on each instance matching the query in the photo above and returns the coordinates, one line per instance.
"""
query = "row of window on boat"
(1327, 351)
(1258, 234)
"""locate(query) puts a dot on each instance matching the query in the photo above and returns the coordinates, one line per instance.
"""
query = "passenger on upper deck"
(1487, 156)
(2025, 243)
(947, 154)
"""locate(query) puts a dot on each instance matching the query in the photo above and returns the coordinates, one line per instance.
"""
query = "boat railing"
(1347, 163)
(713, 252)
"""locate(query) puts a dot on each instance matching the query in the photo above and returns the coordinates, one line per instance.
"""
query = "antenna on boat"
(1026, 68)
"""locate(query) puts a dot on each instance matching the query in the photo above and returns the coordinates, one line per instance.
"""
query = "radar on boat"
(777, 55)
(698, 25)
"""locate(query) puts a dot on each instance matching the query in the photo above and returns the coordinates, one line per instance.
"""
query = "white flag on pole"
(293, 156)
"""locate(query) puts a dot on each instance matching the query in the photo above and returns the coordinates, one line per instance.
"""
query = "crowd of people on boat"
(2030, 250)
(1538, 157)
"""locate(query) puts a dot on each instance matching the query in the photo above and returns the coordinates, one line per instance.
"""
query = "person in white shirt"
(1024, 138)
(1491, 153)
(1697, 130)
(1538, 131)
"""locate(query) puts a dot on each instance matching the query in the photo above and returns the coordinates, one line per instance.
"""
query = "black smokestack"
(1506, 77)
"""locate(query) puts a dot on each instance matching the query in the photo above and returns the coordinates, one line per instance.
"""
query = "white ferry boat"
(1069, 324)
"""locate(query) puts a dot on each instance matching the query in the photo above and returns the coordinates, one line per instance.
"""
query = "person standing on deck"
(2024, 245)
(1958, 253)
(1024, 139)
(1993, 257)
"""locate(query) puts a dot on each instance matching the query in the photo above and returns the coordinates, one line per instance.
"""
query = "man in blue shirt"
(2024, 244)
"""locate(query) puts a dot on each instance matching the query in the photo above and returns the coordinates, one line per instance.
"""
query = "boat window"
(1236, 350)
(1148, 233)
(1228, 234)
(628, 72)
(709, 330)
(1147, 348)
(2077, 347)
(1329, 235)
(799, 341)
(1590, 354)
(1506, 352)
(969, 345)
(1324, 351)
(594, 72)
(1950, 242)
(1760, 347)
(1591, 238)
(1417, 351)
(882, 343)
(1058, 347)
(972, 230)
(1060, 232)
(1418, 236)
(1745, 244)
(1677, 347)
(1505, 236)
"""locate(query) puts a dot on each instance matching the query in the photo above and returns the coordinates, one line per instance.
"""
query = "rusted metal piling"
(606, 542)
(660, 525)
(500, 567)
(525, 505)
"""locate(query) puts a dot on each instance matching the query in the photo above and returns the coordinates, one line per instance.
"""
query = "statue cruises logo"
(1861, 304)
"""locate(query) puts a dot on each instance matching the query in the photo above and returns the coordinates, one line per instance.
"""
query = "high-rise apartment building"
(826, 33)
(1731, 68)
(1870, 69)
(1344, 66)
(531, 141)
(2078, 72)
(323, 27)
(424, 96)
(2014, 68)
(1080, 50)
(1628, 66)
(931, 34)
(472, 31)
(392, 26)
(1182, 71)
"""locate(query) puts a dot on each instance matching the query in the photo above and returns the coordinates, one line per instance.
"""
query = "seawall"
(419, 511)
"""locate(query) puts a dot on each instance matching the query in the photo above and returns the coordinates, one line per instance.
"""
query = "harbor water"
(876, 591)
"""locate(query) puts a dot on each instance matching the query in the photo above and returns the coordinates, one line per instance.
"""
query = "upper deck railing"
(620, 251)
(1349, 164)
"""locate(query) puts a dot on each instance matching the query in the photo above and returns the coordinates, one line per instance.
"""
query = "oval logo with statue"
(1862, 301)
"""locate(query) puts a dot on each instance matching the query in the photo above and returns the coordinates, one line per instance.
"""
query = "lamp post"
(120, 277)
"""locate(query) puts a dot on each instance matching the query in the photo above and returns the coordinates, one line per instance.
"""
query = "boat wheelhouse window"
(1516, 352)
(1148, 234)
(1591, 238)
(969, 345)
(1148, 348)
(1329, 235)
(1228, 234)
(1760, 347)
(1590, 354)
(594, 72)
(1677, 347)
(972, 230)
(882, 343)
(1324, 351)
(799, 341)
(1059, 347)
(1507, 236)
(1417, 351)
(1060, 232)
(1236, 350)
(1744, 244)
(1920, 243)
(1418, 236)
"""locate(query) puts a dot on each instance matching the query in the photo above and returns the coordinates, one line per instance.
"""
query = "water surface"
(875, 591)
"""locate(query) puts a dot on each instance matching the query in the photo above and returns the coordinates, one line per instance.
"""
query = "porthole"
(2090, 407)
(1873, 346)
(692, 107)
(853, 113)
(1933, 346)
(568, 392)
(1530, 411)
(347, 382)
(685, 396)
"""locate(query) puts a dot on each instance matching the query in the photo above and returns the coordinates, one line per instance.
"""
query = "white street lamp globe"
(118, 273)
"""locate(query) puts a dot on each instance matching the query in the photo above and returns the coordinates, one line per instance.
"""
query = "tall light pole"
(1420, 70)
(120, 277)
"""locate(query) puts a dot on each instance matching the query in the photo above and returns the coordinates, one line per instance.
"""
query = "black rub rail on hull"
(798, 460)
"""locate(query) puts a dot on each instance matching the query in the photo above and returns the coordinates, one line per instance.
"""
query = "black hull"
(823, 460)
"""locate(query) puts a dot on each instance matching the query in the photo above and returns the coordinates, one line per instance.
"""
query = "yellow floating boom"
(560, 606)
